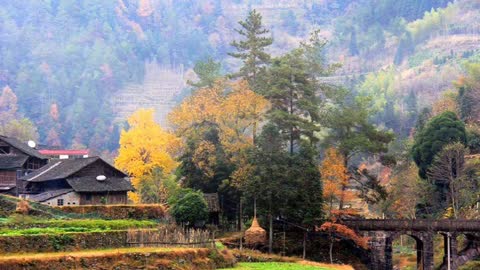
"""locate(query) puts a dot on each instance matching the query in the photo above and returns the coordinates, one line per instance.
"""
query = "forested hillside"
(64, 61)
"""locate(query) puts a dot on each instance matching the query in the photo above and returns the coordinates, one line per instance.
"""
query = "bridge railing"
(447, 225)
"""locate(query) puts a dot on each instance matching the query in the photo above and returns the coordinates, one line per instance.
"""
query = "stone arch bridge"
(382, 233)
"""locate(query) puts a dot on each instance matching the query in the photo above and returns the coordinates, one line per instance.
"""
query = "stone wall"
(62, 242)
(71, 198)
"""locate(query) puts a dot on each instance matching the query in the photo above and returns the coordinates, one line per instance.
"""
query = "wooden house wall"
(103, 198)
(8, 178)
(34, 163)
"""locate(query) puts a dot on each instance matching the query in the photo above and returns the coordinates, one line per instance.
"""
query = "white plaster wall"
(69, 199)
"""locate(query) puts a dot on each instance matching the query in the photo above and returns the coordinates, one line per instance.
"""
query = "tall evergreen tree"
(350, 130)
(251, 50)
(291, 92)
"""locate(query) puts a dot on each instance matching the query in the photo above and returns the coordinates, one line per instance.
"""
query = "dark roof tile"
(59, 169)
(22, 147)
(12, 161)
(91, 184)
(48, 195)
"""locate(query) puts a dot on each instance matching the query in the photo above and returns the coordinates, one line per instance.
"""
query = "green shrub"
(60, 242)
(190, 209)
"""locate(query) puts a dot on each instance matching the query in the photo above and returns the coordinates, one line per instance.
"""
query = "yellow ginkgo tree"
(145, 146)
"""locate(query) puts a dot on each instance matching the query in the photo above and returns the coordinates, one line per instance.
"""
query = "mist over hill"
(77, 68)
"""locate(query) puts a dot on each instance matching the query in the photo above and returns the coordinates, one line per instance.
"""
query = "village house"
(16, 160)
(82, 181)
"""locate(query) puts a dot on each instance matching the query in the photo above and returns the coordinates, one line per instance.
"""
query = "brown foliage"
(336, 180)
(342, 231)
(137, 258)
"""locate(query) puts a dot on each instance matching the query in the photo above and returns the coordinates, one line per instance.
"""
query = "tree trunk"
(241, 224)
(304, 245)
(291, 127)
(331, 251)
(270, 231)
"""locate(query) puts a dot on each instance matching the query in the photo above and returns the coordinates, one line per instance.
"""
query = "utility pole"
(304, 245)
(448, 251)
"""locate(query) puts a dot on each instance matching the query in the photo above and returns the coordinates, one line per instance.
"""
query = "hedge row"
(140, 211)
(15, 223)
(62, 242)
(190, 259)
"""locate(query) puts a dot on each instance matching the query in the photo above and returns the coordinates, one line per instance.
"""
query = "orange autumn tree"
(238, 119)
(336, 195)
(144, 147)
(234, 110)
(197, 111)
(335, 184)
(194, 118)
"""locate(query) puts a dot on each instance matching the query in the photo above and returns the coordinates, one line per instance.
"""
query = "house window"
(88, 197)
(60, 202)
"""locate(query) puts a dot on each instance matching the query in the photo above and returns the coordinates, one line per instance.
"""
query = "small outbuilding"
(213, 205)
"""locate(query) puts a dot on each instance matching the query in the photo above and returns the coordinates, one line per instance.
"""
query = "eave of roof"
(12, 161)
(91, 184)
(23, 147)
(59, 169)
(49, 195)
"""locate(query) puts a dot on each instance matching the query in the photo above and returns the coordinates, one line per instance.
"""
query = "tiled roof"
(48, 195)
(23, 147)
(12, 161)
(59, 169)
(91, 184)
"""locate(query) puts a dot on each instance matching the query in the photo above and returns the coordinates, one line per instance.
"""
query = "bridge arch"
(383, 232)
(419, 246)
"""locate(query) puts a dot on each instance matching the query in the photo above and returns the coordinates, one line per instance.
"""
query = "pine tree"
(350, 130)
(291, 93)
(208, 72)
(251, 50)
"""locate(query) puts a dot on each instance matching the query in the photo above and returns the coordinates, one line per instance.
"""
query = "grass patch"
(55, 226)
(219, 246)
(278, 266)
